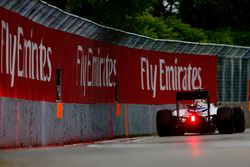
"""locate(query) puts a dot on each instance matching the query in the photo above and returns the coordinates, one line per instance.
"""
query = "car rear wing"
(192, 95)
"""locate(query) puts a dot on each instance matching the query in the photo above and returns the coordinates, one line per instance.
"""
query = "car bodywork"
(200, 116)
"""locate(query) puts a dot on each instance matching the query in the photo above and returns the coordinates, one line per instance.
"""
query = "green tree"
(212, 14)
(114, 13)
(221, 36)
(215, 21)
(185, 31)
(242, 38)
(154, 27)
(167, 28)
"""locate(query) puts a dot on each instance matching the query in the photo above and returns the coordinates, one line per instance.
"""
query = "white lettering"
(194, 77)
(171, 77)
(19, 55)
(13, 54)
(143, 61)
(19, 48)
(95, 71)
(199, 78)
(49, 52)
(162, 62)
(153, 76)
(90, 54)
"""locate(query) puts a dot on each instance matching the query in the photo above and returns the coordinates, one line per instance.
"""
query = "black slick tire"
(239, 119)
(224, 121)
(165, 123)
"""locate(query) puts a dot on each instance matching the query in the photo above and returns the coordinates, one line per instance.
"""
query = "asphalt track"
(191, 150)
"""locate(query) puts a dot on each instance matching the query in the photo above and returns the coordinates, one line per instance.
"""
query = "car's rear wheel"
(224, 120)
(167, 124)
(239, 119)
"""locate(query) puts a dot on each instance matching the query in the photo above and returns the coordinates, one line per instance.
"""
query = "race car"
(200, 116)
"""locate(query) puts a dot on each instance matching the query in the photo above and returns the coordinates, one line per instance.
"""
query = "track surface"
(188, 151)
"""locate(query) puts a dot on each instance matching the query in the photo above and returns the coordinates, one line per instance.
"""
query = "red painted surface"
(30, 54)
(148, 77)
(27, 58)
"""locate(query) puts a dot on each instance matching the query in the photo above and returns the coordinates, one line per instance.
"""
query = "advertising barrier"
(154, 77)
(32, 55)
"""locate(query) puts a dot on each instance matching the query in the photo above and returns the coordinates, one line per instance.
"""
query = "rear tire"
(225, 122)
(239, 119)
(166, 124)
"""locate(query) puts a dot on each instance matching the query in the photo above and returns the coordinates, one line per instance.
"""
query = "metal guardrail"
(233, 61)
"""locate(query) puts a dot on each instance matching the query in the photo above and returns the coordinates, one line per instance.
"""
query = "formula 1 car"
(199, 117)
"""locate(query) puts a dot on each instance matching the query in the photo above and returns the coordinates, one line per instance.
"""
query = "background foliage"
(213, 21)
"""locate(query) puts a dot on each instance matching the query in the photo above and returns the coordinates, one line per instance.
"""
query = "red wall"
(30, 54)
